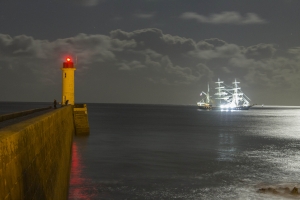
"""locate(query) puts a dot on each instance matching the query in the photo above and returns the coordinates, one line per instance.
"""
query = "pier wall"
(35, 156)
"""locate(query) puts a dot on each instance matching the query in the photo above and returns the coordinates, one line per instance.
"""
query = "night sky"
(150, 51)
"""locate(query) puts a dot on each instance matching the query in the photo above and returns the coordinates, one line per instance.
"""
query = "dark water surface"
(179, 152)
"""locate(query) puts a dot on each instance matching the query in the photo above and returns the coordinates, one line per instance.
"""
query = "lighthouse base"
(81, 120)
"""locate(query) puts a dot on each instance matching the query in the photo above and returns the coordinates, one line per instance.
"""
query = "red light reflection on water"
(78, 184)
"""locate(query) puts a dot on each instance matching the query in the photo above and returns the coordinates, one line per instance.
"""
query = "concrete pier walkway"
(19, 118)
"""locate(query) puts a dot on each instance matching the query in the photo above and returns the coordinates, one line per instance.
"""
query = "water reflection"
(226, 147)
(78, 181)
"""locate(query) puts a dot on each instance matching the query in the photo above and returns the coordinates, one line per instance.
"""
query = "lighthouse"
(68, 82)
(79, 110)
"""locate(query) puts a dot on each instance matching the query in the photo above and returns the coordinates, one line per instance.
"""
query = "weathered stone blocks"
(35, 156)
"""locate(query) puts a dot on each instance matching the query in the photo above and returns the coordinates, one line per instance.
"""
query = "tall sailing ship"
(227, 98)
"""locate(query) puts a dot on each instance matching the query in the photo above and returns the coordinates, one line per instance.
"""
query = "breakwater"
(35, 156)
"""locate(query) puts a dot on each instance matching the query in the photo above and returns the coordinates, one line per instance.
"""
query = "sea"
(179, 152)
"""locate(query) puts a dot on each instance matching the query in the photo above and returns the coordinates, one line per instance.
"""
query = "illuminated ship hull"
(204, 106)
(232, 108)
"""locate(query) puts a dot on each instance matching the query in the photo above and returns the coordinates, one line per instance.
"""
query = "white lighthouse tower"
(68, 82)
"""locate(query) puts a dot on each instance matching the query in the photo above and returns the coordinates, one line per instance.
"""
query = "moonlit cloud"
(224, 18)
(295, 52)
(89, 2)
(260, 51)
(131, 65)
(144, 15)
(152, 53)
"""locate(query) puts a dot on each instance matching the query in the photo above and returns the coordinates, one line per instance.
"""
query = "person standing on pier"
(54, 103)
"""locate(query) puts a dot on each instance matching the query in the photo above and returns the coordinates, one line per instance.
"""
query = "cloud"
(131, 65)
(89, 2)
(260, 51)
(159, 57)
(202, 45)
(158, 52)
(144, 15)
(224, 18)
(216, 52)
(40, 58)
(295, 52)
(215, 42)
(148, 50)
(278, 73)
(22, 46)
(155, 39)
(258, 66)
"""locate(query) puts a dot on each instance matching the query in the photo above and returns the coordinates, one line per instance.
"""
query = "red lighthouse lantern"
(68, 63)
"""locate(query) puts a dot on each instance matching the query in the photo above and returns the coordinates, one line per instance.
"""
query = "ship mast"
(207, 96)
(231, 97)
(220, 92)
(235, 95)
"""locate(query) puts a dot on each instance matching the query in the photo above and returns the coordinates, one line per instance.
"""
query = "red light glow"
(68, 59)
